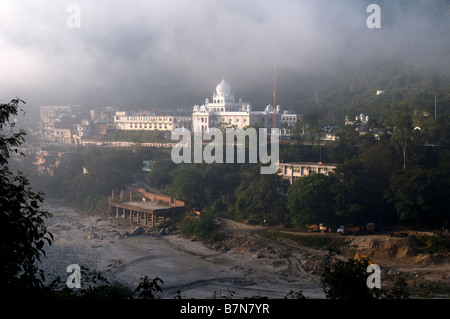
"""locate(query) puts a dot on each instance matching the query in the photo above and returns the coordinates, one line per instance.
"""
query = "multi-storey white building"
(292, 171)
(128, 122)
(223, 109)
(289, 119)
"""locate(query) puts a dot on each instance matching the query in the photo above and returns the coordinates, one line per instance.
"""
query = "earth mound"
(386, 248)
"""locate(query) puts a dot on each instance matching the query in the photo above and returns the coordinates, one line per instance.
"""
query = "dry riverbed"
(125, 254)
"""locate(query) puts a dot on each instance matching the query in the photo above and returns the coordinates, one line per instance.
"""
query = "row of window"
(155, 126)
(155, 119)
(289, 119)
(223, 101)
(263, 120)
(304, 169)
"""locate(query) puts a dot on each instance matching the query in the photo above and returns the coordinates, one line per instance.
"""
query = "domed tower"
(223, 93)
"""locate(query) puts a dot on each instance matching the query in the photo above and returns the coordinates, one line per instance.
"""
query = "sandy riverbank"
(185, 265)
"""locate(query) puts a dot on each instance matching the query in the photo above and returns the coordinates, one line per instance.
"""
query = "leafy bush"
(348, 280)
(202, 228)
(434, 244)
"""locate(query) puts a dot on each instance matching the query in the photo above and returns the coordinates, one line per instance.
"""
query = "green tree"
(159, 175)
(348, 280)
(420, 195)
(204, 185)
(350, 191)
(378, 166)
(308, 127)
(187, 184)
(346, 145)
(345, 279)
(262, 197)
(22, 221)
(310, 200)
(402, 130)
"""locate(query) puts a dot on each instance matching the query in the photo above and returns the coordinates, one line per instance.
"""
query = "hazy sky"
(169, 53)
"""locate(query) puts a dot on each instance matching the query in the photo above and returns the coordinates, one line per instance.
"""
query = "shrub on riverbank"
(202, 228)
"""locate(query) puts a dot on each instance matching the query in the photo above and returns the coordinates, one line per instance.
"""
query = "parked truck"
(321, 227)
(354, 230)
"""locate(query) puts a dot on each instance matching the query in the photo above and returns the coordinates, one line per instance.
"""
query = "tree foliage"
(22, 221)
(420, 196)
(348, 280)
(262, 197)
(310, 200)
(147, 289)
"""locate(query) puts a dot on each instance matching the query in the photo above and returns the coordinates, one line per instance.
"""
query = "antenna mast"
(274, 92)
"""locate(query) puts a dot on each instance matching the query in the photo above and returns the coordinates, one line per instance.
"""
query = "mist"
(169, 54)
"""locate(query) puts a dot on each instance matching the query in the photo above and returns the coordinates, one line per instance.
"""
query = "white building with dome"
(223, 109)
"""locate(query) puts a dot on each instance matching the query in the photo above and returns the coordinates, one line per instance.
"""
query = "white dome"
(223, 88)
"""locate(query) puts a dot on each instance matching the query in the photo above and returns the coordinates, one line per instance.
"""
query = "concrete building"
(289, 119)
(47, 162)
(221, 110)
(57, 124)
(83, 130)
(54, 113)
(126, 121)
(61, 135)
(144, 208)
(224, 110)
(292, 171)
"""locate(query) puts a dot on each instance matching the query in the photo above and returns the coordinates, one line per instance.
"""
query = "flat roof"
(309, 163)
(149, 205)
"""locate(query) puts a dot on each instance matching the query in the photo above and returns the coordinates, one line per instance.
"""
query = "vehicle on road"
(315, 228)
(354, 230)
